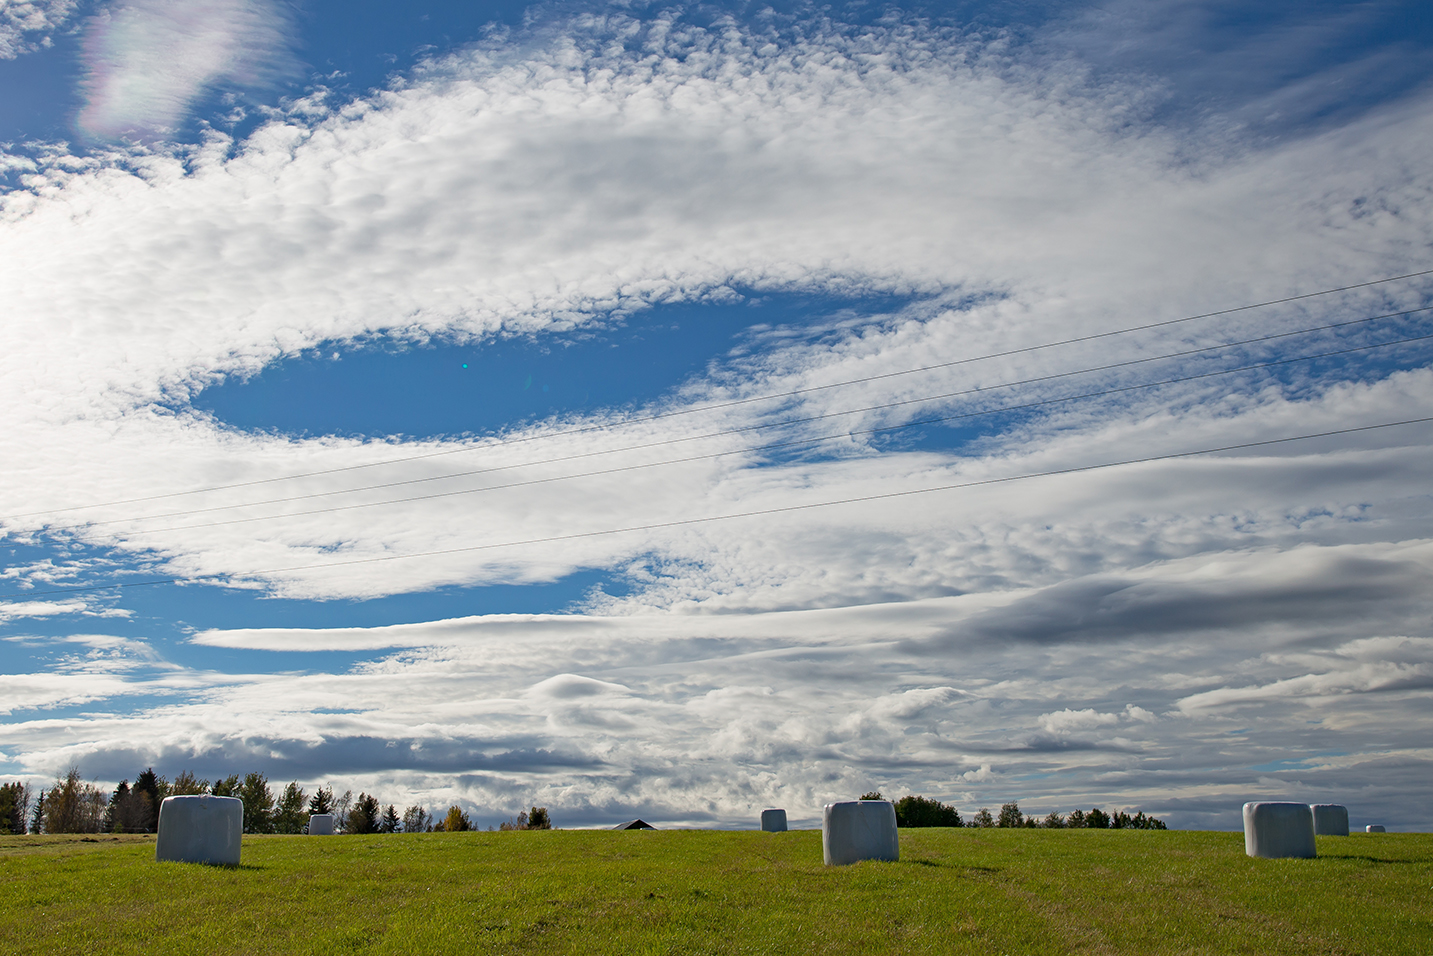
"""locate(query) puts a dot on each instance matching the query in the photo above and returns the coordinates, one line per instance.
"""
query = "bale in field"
(859, 830)
(773, 821)
(1374, 828)
(1273, 830)
(1330, 819)
(200, 829)
(320, 824)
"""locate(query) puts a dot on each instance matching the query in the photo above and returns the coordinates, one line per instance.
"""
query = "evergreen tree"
(258, 803)
(148, 792)
(322, 801)
(1053, 821)
(289, 815)
(365, 815)
(390, 822)
(37, 814)
(538, 819)
(14, 804)
(1097, 819)
(1077, 820)
(114, 814)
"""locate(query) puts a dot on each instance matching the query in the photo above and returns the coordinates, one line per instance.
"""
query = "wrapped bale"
(859, 830)
(320, 824)
(1374, 828)
(773, 821)
(1274, 830)
(1330, 819)
(200, 829)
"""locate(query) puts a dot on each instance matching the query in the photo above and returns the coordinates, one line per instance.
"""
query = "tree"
(149, 791)
(923, 812)
(982, 818)
(390, 822)
(417, 820)
(289, 816)
(1097, 819)
(538, 819)
(1010, 816)
(364, 816)
(1077, 820)
(258, 803)
(14, 807)
(871, 795)
(456, 820)
(1053, 821)
(188, 785)
(322, 801)
(37, 814)
(73, 806)
(341, 806)
(226, 786)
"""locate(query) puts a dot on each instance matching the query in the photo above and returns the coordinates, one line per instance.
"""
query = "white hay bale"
(773, 821)
(320, 824)
(859, 830)
(1330, 819)
(1374, 828)
(1274, 830)
(200, 829)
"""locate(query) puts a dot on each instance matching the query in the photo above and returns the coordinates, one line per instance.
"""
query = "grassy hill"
(954, 891)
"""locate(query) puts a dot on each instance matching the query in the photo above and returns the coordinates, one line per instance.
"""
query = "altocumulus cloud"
(1106, 636)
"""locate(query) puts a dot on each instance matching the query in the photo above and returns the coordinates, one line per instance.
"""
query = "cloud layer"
(1100, 636)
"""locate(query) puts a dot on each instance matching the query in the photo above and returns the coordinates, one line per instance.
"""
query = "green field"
(700, 891)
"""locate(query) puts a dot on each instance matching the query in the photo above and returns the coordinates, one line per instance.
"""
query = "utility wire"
(796, 442)
(751, 428)
(785, 509)
(731, 403)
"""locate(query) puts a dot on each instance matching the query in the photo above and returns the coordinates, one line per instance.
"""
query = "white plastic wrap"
(1330, 819)
(773, 821)
(1273, 830)
(320, 824)
(859, 830)
(200, 829)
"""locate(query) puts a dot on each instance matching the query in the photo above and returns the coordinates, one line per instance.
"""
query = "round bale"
(1330, 819)
(320, 824)
(859, 830)
(1273, 830)
(200, 829)
(1374, 828)
(773, 821)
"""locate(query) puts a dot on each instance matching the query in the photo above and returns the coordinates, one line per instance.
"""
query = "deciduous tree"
(258, 803)
(982, 818)
(912, 811)
(289, 815)
(1010, 816)
(417, 820)
(538, 819)
(14, 807)
(456, 821)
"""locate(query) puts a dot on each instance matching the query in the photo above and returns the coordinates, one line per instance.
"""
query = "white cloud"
(26, 25)
(975, 643)
(148, 61)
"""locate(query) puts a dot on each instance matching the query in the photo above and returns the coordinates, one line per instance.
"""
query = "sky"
(663, 410)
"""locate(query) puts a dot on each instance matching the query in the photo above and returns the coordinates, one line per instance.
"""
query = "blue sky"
(486, 382)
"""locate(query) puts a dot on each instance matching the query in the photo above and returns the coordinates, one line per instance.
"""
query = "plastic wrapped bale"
(1330, 819)
(859, 830)
(1374, 828)
(1273, 830)
(773, 821)
(320, 824)
(200, 829)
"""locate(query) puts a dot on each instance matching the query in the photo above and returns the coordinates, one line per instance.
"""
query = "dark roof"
(635, 825)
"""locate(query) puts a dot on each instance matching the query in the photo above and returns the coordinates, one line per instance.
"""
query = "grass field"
(694, 891)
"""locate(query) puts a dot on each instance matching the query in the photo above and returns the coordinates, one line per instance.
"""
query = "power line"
(731, 403)
(738, 451)
(751, 428)
(785, 509)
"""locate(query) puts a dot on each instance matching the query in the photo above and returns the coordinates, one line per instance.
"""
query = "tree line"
(73, 805)
(913, 811)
